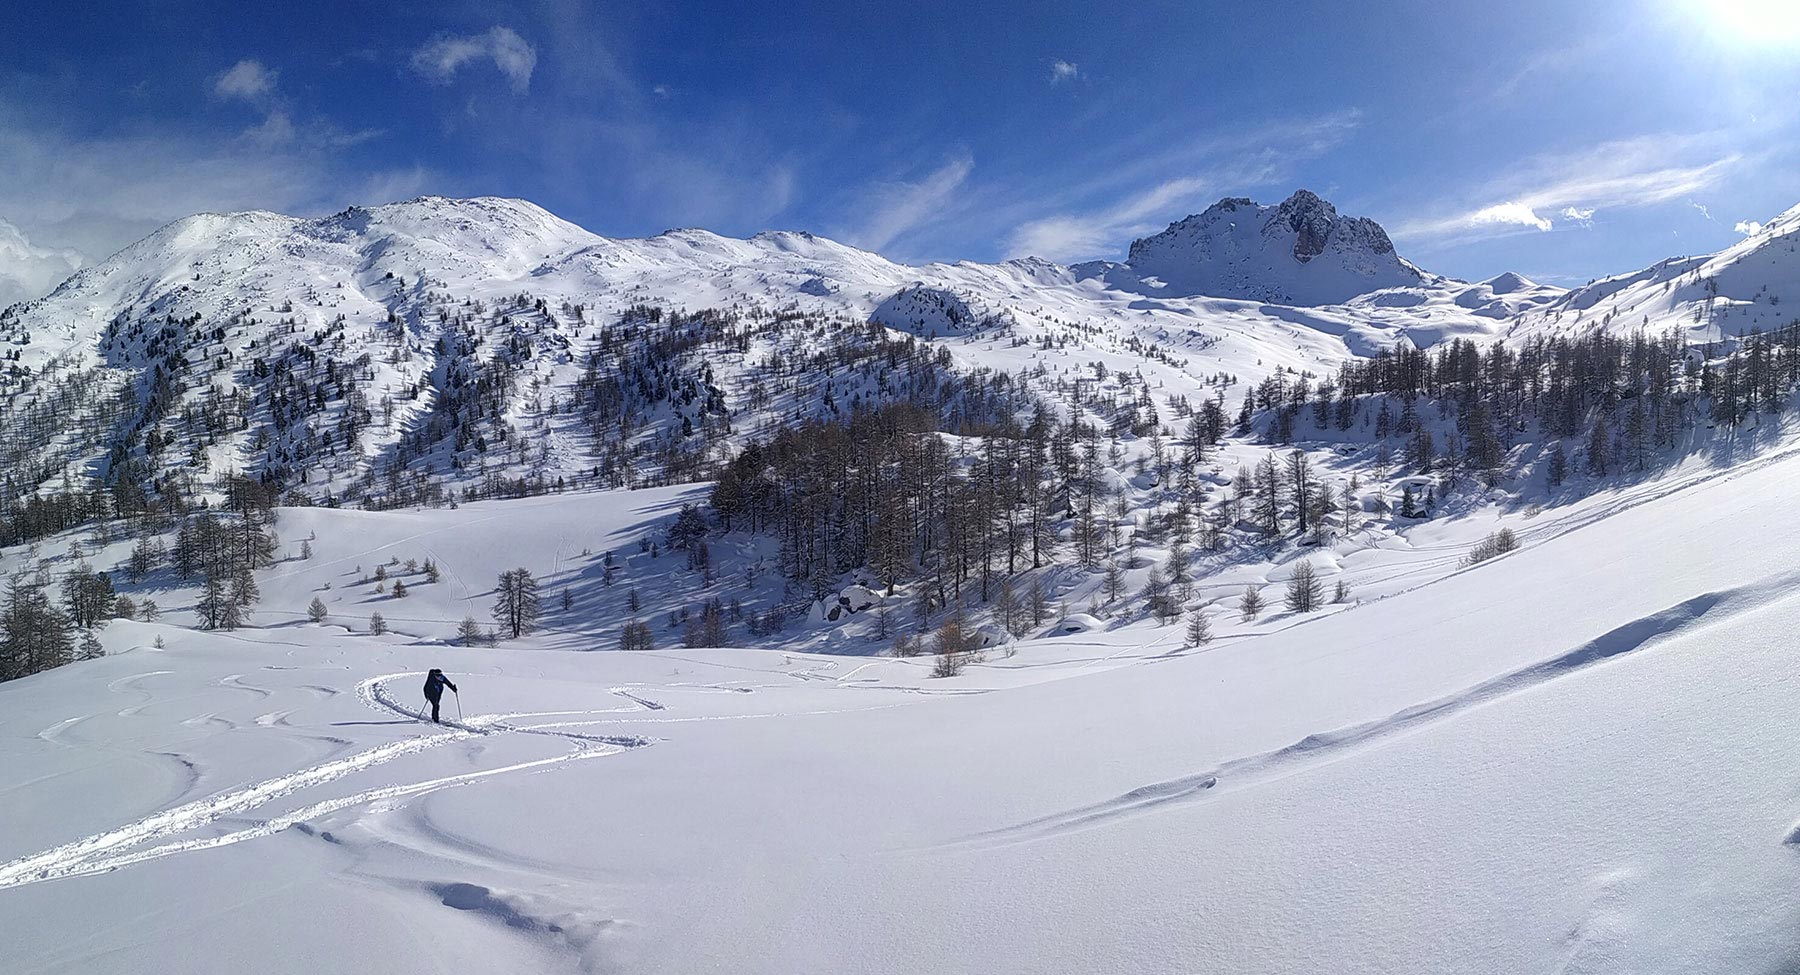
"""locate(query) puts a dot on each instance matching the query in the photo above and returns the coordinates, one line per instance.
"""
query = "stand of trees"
(224, 554)
(883, 491)
(34, 635)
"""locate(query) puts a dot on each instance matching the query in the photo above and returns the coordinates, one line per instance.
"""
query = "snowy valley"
(1262, 602)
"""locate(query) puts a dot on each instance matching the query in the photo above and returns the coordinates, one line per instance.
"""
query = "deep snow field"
(1580, 757)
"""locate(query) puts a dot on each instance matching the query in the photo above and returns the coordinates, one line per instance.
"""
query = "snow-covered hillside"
(1742, 289)
(1553, 761)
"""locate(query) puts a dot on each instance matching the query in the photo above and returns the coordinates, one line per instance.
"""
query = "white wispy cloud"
(1061, 71)
(1702, 208)
(1749, 228)
(276, 129)
(1610, 175)
(894, 208)
(1581, 215)
(254, 83)
(248, 79)
(1070, 237)
(1513, 214)
(441, 58)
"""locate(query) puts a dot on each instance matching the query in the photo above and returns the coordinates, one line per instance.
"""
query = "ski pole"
(458, 696)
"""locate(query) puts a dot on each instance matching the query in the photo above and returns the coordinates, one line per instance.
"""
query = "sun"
(1754, 21)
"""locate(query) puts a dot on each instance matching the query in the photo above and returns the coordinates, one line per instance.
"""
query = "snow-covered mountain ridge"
(259, 342)
(209, 262)
(1710, 297)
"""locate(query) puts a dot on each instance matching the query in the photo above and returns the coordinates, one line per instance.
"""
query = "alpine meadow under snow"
(1261, 602)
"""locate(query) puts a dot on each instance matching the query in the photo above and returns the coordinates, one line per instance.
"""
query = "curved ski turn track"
(127, 845)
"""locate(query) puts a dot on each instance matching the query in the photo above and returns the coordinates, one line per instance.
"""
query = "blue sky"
(1563, 140)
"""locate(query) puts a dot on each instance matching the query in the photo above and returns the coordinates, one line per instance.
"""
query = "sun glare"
(1754, 21)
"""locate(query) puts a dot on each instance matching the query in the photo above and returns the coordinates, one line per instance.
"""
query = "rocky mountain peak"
(1300, 251)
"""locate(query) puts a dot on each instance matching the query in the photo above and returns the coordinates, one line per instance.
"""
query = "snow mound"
(930, 312)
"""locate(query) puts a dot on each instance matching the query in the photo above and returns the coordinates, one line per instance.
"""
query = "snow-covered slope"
(1553, 761)
(1749, 286)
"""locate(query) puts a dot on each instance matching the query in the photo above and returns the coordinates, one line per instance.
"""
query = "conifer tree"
(469, 632)
(1303, 589)
(213, 599)
(637, 636)
(1250, 606)
(1599, 452)
(1558, 467)
(952, 644)
(516, 602)
(1268, 495)
(1199, 630)
(1112, 585)
(244, 590)
(1300, 482)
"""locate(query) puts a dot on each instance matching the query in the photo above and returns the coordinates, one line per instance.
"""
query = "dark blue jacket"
(435, 684)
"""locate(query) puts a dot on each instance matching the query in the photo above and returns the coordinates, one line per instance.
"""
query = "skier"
(435, 682)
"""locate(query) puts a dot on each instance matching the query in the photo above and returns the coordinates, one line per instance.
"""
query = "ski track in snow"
(106, 851)
(1704, 609)
(644, 703)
